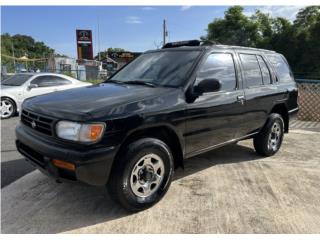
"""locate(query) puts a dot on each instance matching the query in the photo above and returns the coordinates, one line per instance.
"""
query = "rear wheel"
(142, 174)
(7, 108)
(269, 139)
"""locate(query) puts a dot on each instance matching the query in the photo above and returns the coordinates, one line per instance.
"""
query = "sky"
(134, 28)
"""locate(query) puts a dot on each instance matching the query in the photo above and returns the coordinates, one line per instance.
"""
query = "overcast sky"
(132, 28)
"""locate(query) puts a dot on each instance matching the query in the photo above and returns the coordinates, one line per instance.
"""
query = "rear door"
(213, 118)
(260, 92)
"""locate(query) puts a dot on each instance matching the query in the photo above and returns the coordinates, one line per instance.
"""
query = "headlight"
(80, 132)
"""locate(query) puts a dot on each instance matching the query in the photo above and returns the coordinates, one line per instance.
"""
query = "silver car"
(15, 89)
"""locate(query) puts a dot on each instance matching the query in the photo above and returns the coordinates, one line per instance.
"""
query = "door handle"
(241, 99)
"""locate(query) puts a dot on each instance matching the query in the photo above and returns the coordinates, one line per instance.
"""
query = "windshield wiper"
(113, 81)
(141, 83)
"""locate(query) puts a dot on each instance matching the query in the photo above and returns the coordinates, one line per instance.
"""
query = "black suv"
(130, 132)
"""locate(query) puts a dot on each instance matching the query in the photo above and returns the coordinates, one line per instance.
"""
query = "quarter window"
(251, 70)
(281, 67)
(50, 81)
(219, 66)
(264, 70)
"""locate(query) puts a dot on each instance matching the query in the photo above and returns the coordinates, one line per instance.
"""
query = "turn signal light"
(62, 164)
(95, 131)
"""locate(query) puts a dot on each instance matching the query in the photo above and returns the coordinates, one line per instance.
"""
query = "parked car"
(15, 89)
(130, 132)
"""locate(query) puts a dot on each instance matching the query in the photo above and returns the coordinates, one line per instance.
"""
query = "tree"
(234, 29)
(297, 41)
(307, 17)
(104, 54)
(22, 45)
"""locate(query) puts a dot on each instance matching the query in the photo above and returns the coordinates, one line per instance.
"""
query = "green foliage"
(104, 54)
(23, 45)
(297, 41)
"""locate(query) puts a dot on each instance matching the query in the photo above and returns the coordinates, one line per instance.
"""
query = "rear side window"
(219, 66)
(251, 70)
(264, 70)
(50, 81)
(281, 67)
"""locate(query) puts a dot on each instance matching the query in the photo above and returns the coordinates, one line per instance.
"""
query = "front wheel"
(269, 139)
(7, 108)
(142, 174)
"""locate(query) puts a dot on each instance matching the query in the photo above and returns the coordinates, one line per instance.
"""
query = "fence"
(309, 100)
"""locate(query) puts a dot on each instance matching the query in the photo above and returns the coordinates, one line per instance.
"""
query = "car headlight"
(80, 132)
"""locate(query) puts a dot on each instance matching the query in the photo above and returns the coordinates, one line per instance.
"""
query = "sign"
(84, 44)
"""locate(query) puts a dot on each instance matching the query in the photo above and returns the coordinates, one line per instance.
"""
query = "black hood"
(106, 100)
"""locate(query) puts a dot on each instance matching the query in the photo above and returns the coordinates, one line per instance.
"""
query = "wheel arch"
(162, 132)
(12, 99)
(283, 111)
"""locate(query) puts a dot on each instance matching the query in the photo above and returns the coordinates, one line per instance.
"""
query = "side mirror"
(32, 86)
(207, 85)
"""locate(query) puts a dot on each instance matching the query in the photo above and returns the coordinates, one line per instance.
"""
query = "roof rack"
(190, 43)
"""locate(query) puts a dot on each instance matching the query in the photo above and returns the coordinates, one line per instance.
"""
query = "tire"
(8, 108)
(269, 139)
(136, 168)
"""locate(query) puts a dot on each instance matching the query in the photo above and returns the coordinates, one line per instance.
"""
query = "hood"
(106, 100)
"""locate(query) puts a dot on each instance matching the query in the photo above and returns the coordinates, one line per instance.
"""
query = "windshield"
(168, 68)
(16, 80)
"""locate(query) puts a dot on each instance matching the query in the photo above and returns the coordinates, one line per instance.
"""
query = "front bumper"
(92, 166)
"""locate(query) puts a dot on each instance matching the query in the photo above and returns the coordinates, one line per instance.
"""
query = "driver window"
(219, 66)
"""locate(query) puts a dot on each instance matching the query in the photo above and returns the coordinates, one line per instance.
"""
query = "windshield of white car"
(162, 68)
(16, 80)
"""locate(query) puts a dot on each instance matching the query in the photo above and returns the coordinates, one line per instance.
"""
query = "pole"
(99, 57)
(164, 32)
(14, 59)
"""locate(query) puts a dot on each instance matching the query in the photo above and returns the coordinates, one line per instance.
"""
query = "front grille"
(37, 122)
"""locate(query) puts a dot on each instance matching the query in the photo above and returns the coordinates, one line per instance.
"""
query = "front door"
(213, 118)
(46, 84)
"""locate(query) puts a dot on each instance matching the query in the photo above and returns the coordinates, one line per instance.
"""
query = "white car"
(15, 89)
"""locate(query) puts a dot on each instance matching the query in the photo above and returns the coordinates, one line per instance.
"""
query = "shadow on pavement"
(13, 170)
(71, 206)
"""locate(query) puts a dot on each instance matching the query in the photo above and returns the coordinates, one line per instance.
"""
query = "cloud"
(288, 12)
(133, 20)
(148, 8)
(184, 8)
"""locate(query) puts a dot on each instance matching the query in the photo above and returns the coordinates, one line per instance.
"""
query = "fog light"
(63, 164)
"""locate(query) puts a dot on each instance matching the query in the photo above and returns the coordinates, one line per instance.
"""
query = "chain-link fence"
(309, 100)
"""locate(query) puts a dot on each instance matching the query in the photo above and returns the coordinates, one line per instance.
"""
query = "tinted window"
(50, 81)
(251, 70)
(281, 67)
(219, 66)
(166, 68)
(16, 80)
(264, 70)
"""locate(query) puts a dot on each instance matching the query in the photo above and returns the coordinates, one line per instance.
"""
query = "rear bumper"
(92, 166)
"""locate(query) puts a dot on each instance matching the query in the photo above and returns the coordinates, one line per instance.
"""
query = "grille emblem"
(33, 124)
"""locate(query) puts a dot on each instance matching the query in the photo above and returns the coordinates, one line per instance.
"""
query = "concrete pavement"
(229, 190)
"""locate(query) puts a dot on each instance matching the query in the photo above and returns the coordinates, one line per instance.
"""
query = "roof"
(197, 44)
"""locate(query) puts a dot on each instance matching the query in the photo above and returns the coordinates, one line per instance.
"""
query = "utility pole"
(164, 32)
(14, 59)
(99, 57)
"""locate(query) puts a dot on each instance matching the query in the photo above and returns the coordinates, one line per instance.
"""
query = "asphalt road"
(229, 190)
